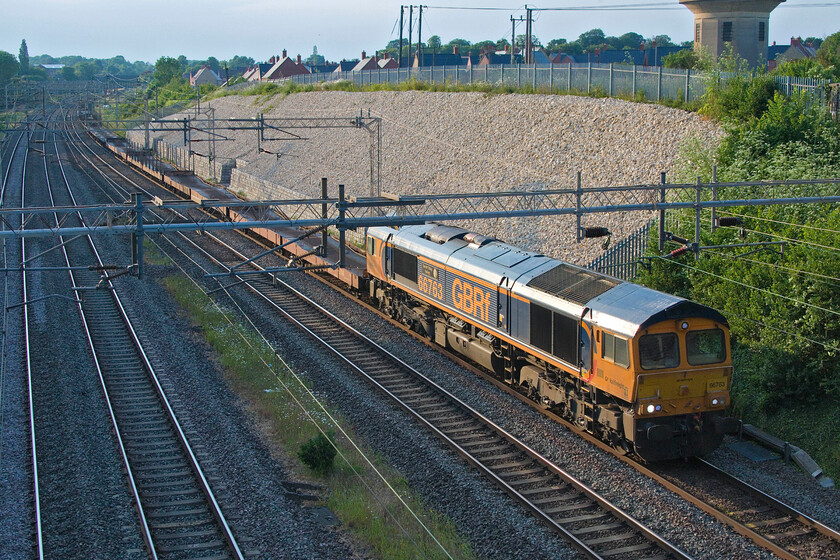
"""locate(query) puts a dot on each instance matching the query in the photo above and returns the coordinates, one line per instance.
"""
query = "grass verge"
(288, 411)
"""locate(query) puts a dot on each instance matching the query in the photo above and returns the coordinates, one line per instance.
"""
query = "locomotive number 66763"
(641, 369)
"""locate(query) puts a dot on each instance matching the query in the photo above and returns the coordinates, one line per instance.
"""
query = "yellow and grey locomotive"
(639, 368)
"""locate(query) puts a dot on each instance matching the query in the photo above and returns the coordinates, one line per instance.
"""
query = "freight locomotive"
(642, 370)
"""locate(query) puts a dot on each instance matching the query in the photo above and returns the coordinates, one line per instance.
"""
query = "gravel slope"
(438, 142)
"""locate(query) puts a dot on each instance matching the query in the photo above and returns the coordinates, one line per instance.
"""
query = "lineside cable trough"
(783, 448)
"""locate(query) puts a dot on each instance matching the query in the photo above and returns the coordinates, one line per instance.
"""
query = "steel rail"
(541, 513)
(190, 454)
(135, 492)
(39, 530)
(749, 533)
(646, 470)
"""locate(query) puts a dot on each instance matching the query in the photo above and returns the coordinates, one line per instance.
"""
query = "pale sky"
(149, 29)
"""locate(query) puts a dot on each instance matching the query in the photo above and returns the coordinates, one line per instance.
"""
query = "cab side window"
(615, 349)
(371, 246)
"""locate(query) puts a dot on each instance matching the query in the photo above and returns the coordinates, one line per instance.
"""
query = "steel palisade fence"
(622, 260)
(653, 83)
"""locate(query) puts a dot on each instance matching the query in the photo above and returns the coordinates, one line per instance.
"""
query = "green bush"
(738, 99)
(318, 453)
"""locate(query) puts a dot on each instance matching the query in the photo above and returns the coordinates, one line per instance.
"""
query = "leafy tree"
(829, 51)
(68, 73)
(520, 41)
(483, 46)
(8, 67)
(87, 70)
(502, 44)
(213, 63)
(460, 42)
(806, 68)
(167, 69)
(661, 41)
(23, 58)
(631, 40)
(814, 42)
(690, 58)
(315, 59)
(240, 62)
(556, 45)
(433, 42)
(591, 39)
(182, 62)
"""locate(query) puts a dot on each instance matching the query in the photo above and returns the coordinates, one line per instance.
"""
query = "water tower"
(742, 23)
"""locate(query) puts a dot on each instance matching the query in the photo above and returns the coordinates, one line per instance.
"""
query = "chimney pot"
(298, 59)
(364, 55)
(455, 49)
(284, 53)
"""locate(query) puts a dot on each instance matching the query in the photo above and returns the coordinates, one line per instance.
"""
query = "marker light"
(684, 325)
(658, 408)
(650, 408)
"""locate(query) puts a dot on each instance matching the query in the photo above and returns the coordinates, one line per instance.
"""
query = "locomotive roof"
(628, 308)
(622, 307)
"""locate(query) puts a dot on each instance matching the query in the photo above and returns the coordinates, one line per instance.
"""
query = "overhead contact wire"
(309, 415)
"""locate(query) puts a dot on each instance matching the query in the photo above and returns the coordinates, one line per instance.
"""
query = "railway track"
(773, 525)
(178, 512)
(590, 523)
(758, 516)
(36, 490)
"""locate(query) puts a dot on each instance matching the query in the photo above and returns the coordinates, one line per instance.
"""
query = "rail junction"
(592, 524)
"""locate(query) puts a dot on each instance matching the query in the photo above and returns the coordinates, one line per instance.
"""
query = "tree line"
(588, 41)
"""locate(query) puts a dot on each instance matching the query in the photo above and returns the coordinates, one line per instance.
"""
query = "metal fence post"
(714, 195)
(697, 223)
(659, 86)
(662, 212)
(519, 76)
(578, 195)
(588, 77)
(570, 78)
(687, 80)
(611, 79)
(634, 81)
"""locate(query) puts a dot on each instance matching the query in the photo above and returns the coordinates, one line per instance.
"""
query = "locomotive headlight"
(715, 402)
(650, 408)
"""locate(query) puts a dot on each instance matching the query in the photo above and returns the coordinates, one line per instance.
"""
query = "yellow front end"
(682, 367)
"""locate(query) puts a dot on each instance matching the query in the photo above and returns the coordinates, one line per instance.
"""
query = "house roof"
(496, 58)
(368, 63)
(206, 72)
(438, 59)
(630, 56)
(345, 65)
(323, 68)
(774, 51)
(284, 68)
